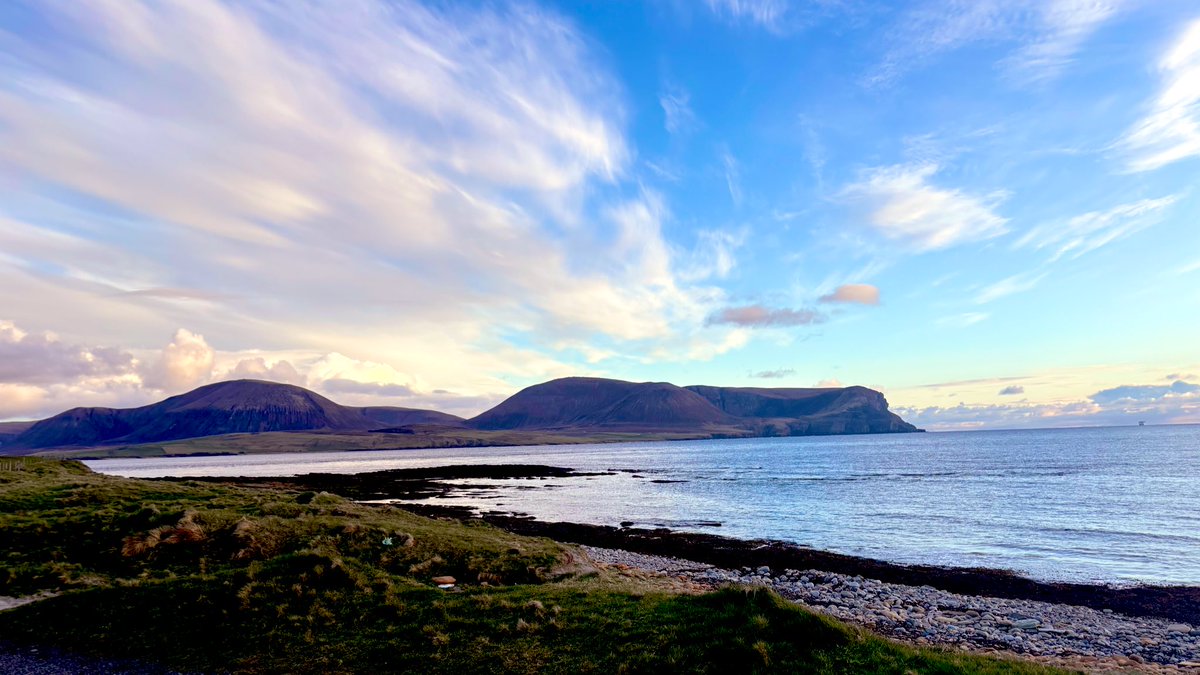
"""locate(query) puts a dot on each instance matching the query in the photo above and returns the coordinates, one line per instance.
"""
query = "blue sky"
(986, 209)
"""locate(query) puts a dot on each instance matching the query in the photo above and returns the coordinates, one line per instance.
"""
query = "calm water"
(1110, 504)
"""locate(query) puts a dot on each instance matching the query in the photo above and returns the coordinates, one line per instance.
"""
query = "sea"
(1117, 505)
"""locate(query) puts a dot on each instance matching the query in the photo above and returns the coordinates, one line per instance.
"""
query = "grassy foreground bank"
(215, 579)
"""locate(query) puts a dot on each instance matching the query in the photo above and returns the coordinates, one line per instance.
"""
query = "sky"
(985, 209)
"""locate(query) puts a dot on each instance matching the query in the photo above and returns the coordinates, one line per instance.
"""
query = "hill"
(591, 408)
(592, 402)
(237, 406)
(588, 403)
(800, 412)
(10, 430)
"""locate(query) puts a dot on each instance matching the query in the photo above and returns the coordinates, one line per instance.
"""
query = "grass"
(212, 578)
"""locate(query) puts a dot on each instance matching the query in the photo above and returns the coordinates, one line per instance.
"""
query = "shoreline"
(399, 487)
(1061, 635)
(1176, 603)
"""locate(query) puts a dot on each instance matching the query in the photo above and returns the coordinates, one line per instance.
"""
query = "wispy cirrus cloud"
(1017, 283)
(448, 151)
(1047, 34)
(1170, 130)
(733, 176)
(960, 383)
(1064, 27)
(714, 256)
(766, 13)
(678, 116)
(1089, 231)
(903, 203)
(963, 320)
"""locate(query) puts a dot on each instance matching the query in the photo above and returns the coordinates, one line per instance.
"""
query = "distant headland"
(246, 416)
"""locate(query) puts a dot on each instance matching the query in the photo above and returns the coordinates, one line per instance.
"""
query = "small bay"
(1115, 504)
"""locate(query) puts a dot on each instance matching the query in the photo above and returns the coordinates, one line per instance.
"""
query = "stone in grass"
(443, 580)
(1179, 628)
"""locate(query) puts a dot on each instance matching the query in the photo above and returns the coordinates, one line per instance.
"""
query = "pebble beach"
(1068, 635)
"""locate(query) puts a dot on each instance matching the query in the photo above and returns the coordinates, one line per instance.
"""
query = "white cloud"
(1017, 283)
(861, 294)
(257, 368)
(1147, 393)
(1178, 403)
(903, 204)
(66, 375)
(456, 104)
(966, 416)
(185, 363)
(374, 390)
(343, 368)
(384, 179)
(42, 358)
(27, 401)
(1170, 130)
(1089, 231)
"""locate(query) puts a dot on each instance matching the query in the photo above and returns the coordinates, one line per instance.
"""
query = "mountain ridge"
(571, 405)
(233, 406)
(596, 403)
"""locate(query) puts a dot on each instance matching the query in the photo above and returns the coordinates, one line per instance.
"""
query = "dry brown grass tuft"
(186, 531)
